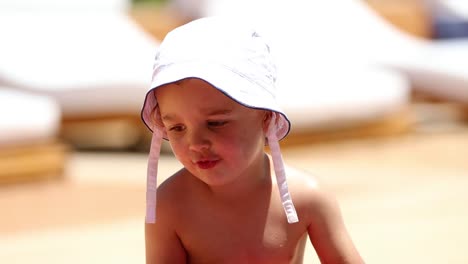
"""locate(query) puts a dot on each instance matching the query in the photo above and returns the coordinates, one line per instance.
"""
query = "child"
(213, 98)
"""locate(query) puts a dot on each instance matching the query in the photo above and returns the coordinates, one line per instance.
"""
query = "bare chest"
(254, 237)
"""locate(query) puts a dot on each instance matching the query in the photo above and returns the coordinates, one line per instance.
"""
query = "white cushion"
(344, 98)
(93, 63)
(441, 69)
(27, 118)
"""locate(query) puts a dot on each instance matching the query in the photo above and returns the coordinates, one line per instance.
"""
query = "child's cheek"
(181, 154)
(175, 143)
(228, 147)
(176, 146)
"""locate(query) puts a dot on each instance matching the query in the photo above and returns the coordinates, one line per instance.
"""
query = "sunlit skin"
(207, 129)
(224, 206)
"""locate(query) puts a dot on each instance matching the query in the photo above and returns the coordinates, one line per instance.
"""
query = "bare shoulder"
(304, 185)
(309, 195)
(173, 189)
(176, 180)
(161, 239)
(300, 180)
(319, 210)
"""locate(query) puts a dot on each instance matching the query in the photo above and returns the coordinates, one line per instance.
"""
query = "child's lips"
(207, 164)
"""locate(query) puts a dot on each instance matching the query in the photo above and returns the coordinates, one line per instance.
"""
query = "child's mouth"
(207, 164)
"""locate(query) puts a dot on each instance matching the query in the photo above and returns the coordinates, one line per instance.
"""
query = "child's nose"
(198, 141)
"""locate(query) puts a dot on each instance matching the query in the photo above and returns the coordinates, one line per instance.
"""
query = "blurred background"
(377, 91)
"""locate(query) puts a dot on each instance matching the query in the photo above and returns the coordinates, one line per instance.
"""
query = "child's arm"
(328, 233)
(163, 245)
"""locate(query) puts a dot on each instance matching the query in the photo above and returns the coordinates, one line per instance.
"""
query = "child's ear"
(266, 120)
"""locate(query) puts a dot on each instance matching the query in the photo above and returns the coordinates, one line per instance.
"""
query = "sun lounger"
(29, 126)
(92, 59)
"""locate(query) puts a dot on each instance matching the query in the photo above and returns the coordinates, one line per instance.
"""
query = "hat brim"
(237, 87)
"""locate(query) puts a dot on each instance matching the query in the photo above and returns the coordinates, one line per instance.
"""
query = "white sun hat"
(235, 59)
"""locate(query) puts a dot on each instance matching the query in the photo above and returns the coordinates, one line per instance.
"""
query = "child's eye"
(217, 123)
(177, 128)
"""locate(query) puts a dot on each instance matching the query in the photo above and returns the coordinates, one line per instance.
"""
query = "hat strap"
(280, 173)
(152, 174)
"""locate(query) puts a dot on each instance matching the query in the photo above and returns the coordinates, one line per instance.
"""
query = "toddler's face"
(214, 137)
